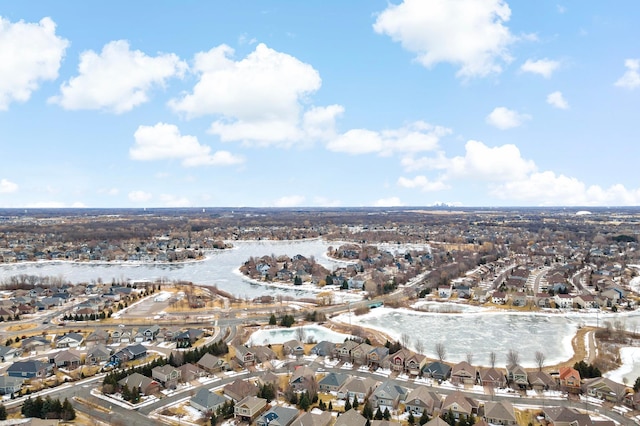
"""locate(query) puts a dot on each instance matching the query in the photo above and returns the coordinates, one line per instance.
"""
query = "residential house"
(605, 389)
(460, 405)
(543, 300)
(129, 353)
(68, 340)
(122, 335)
(278, 416)
(167, 375)
(499, 297)
(357, 387)
(388, 394)
(207, 401)
(189, 372)
(29, 369)
(263, 354)
(351, 418)
(324, 348)
(376, 356)
(463, 373)
(144, 384)
(564, 300)
(332, 382)
(500, 413)
(396, 361)
(210, 363)
(312, 419)
(240, 389)
(293, 347)
(244, 356)
(563, 416)
(413, 364)
(67, 359)
(7, 353)
(97, 354)
(8, 313)
(149, 333)
(492, 378)
(437, 370)
(359, 354)
(385, 423)
(269, 378)
(569, 379)
(97, 337)
(541, 381)
(586, 301)
(302, 378)
(517, 377)
(249, 407)
(423, 399)
(437, 421)
(35, 344)
(343, 350)
(10, 385)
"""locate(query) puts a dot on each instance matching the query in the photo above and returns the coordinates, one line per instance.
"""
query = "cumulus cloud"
(164, 141)
(422, 183)
(490, 163)
(139, 196)
(388, 202)
(549, 189)
(289, 201)
(557, 100)
(6, 186)
(631, 78)
(31, 53)
(413, 138)
(468, 33)
(544, 67)
(117, 79)
(170, 200)
(504, 118)
(259, 99)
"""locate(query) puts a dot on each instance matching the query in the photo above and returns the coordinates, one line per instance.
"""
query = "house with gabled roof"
(277, 416)
(301, 378)
(460, 404)
(396, 361)
(413, 363)
(605, 389)
(357, 387)
(359, 354)
(68, 340)
(240, 389)
(343, 350)
(97, 354)
(388, 394)
(323, 348)
(244, 356)
(210, 363)
(500, 413)
(351, 418)
(166, 374)
(144, 384)
(376, 356)
(189, 372)
(491, 377)
(332, 382)
(249, 407)
(10, 385)
(541, 381)
(312, 419)
(207, 400)
(293, 347)
(7, 353)
(129, 353)
(97, 337)
(423, 399)
(29, 369)
(35, 343)
(437, 370)
(569, 379)
(517, 377)
(68, 359)
(263, 354)
(463, 373)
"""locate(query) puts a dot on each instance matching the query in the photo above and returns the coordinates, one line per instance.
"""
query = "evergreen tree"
(330, 407)
(386, 415)
(411, 419)
(636, 385)
(355, 402)
(3, 412)
(378, 415)
(367, 410)
(305, 401)
(273, 320)
(347, 405)
(424, 418)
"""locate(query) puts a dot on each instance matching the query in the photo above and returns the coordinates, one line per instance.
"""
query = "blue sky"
(319, 103)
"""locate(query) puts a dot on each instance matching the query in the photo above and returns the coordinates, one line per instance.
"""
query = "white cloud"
(422, 183)
(31, 53)
(469, 33)
(631, 78)
(490, 163)
(258, 100)
(170, 200)
(557, 100)
(117, 79)
(6, 186)
(504, 118)
(164, 141)
(544, 67)
(415, 137)
(388, 202)
(289, 201)
(548, 189)
(139, 196)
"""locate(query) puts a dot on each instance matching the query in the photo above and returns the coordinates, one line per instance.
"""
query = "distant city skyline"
(319, 104)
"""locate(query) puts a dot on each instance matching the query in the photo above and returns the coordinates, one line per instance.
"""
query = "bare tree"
(540, 358)
(469, 357)
(300, 334)
(492, 359)
(513, 357)
(420, 346)
(441, 351)
(404, 340)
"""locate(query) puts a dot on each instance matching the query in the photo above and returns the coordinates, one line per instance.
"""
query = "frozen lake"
(278, 336)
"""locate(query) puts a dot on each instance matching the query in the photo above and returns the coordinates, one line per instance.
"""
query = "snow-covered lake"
(278, 336)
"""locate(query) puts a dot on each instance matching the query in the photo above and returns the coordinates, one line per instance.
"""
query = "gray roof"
(27, 366)
(208, 399)
(281, 416)
(334, 379)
